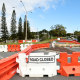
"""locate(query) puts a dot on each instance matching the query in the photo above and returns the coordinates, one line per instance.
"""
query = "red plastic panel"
(68, 68)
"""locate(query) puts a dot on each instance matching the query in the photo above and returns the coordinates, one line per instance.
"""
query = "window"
(79, 59)
(69, 59)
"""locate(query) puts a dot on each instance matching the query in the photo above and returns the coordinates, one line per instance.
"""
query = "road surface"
(6, 54)
(58, 77)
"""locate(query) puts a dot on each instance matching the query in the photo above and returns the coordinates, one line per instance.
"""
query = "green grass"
(41, 42)
(8, 43)
(54, 37)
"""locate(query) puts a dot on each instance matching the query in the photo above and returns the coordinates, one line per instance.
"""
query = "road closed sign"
(41, 59)
(38, 65)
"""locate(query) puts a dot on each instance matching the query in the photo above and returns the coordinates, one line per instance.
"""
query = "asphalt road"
(58, 77)
(76, 49)
(6, 54)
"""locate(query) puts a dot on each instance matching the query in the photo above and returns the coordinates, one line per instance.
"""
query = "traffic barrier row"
(8, 66)
(23, 41)
(13, 48)
(39, 46)
(20, 41)
(9, 48)
(34, 41)
(69, 63)
(66, 41)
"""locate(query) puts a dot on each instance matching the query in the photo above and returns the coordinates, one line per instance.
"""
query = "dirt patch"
(60, 49)
(67, 45)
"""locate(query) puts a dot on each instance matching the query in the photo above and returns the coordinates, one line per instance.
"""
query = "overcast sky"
(51, 12)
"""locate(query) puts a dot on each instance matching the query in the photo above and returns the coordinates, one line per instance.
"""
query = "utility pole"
(26, 19)
(26, 28)
(38, 34)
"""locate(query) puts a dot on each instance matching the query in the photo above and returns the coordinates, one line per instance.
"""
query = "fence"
(8, 65)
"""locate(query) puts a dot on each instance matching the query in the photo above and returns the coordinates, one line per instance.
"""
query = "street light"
(37, 34)
(26, 19)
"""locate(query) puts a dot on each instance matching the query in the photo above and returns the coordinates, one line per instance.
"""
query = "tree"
(77, 33)
(69, 34)
(52, 33)
(13, 25)
(20, 35)
(28, 29)
(78, 38)
(58, 30)
(33, 35)
(43, 34)
(24, 27)
(3, 24)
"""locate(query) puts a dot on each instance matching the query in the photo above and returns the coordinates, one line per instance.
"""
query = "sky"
(45, 13)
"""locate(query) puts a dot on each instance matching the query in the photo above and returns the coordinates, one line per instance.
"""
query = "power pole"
(26, 19)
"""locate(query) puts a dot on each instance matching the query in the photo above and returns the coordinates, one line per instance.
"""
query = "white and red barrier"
(69, 64)
(13, 47)
(53, 44)
(24, 46)
(3, 48)
(23, 41)
(8, 66)
(67, 41)
(38, 65)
